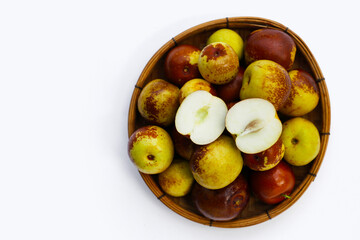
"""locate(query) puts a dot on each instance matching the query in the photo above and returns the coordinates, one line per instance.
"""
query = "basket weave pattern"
(255, 212)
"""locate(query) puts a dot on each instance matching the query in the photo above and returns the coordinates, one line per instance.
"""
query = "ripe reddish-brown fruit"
(274, 185)
(223, 204)
(267, 159)
(270, 44)
(230, 104)
(182, 144)
(181, 64)
(230, 92)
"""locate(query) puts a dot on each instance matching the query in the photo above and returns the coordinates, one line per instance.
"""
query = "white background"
(67, 72)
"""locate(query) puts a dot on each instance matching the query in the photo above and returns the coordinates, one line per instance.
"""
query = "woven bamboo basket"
(255, 212)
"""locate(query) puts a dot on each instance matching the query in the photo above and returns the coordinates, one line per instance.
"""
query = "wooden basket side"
(236, 22)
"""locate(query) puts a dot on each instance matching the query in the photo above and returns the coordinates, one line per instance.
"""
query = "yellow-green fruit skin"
(195, 85)
(158, 102)
(217, 164)
(301, 139)
(218, 63)
(304, 95)
(151, 149)
(177, 179)
(267, 80)
(230, 37)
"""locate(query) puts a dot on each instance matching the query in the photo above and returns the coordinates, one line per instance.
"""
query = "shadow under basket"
(255, 212)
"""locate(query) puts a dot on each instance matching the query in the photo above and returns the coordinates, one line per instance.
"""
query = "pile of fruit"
(216, 114)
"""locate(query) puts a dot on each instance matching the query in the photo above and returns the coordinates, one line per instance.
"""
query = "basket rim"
(240, 22)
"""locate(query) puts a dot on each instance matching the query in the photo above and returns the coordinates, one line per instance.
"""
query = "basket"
(255, 212)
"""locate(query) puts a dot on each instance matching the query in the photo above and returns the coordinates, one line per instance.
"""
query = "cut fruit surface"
(201, 116)
(255, 125)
